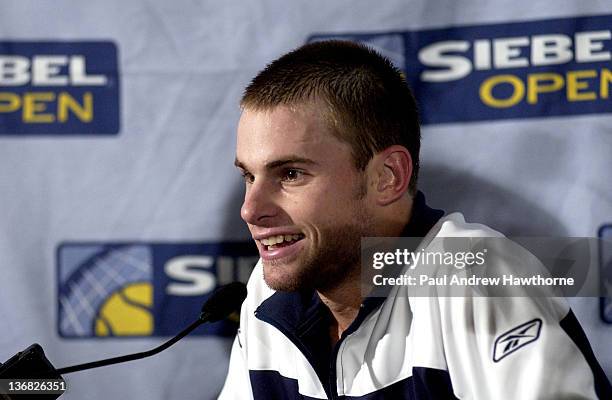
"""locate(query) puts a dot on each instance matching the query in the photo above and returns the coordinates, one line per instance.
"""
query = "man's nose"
(258, 205)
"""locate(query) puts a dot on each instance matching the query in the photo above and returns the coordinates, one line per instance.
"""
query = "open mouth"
(279, 241)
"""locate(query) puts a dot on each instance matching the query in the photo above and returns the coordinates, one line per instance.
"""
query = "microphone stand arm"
(135, 356)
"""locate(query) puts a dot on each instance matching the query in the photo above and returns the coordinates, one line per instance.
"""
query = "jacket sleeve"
(513, 350)
(518, 347)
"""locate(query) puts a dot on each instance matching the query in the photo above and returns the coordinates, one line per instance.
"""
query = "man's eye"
(291, 175)
(248, 177)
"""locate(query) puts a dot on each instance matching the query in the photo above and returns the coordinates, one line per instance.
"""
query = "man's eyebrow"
(280, 162)
(290, 160)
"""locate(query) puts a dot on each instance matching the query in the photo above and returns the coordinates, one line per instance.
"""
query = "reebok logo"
(516, 338)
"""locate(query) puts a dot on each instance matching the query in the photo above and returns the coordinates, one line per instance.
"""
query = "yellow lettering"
(574, 86)
(535, 85)
(604, 83)
(9, 102)
(34, 105)
(65, 103)
(486, 91)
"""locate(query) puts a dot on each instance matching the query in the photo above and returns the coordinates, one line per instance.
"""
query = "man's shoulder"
(484, 300)
(455, 225)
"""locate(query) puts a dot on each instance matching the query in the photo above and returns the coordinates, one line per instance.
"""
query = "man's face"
(305, 202)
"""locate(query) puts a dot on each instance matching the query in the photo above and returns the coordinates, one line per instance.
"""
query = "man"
(328, 144)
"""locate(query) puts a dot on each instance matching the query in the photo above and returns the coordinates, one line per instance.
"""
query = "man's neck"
(343, 302)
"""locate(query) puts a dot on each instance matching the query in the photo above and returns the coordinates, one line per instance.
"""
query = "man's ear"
(393, 172)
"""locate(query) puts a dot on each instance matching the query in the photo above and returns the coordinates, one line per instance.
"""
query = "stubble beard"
(337, 260)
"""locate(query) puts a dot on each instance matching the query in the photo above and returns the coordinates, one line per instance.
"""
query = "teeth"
(273, 240)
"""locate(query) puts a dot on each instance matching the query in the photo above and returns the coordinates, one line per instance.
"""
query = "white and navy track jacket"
(403, 347)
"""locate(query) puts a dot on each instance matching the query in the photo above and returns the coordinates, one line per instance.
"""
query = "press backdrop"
(119, 202)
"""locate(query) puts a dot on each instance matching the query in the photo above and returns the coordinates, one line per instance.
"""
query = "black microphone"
(221, 303)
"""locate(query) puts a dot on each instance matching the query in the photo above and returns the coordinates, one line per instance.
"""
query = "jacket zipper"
(333, 388)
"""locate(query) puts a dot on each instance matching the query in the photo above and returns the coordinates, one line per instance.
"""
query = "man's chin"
(279, 277)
